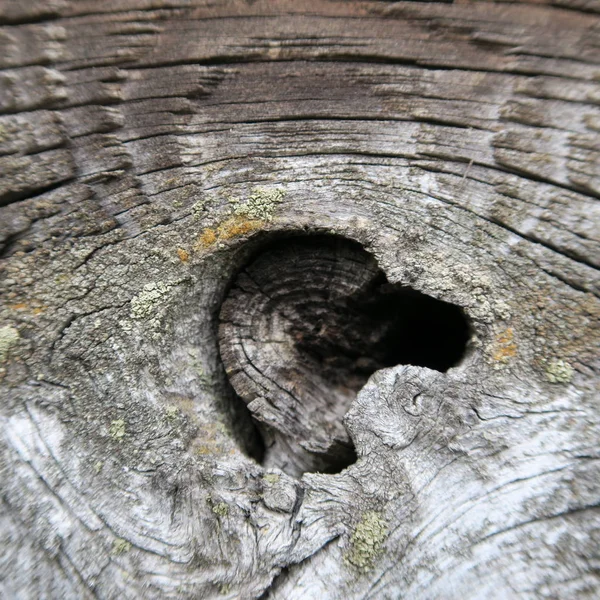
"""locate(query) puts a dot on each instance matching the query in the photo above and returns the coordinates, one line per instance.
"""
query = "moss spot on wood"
(366, 541)
(237, 226)
(207, 238)
(232, 227)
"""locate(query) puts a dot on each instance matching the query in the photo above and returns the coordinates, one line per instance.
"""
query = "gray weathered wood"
(147, 149)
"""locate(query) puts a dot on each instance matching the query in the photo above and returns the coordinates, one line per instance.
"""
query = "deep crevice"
(383, 326)
(307, 320)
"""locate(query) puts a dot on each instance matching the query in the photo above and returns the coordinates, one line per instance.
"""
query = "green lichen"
(271, 478)
(261, 204)
(146, 303)
(222, 428)
(224, 589)
(366, 541)
(117, 429)
(559, 371)
(98, 466)
(120, 546)
(199, 207)
(171, 412)
(9, 336)
(220, 509)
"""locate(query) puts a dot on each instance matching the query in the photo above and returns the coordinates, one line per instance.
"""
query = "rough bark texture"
(149, 149)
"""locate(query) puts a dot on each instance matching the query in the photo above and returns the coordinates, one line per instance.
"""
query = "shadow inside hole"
(304, 325)
(383, 326)
(244, 428)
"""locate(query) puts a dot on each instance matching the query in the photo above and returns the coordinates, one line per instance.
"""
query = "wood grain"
(458, 144)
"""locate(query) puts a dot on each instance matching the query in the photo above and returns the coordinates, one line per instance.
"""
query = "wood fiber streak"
(148, 150)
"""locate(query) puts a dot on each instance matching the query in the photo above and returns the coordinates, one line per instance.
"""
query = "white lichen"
(126, 325)
(9, 336)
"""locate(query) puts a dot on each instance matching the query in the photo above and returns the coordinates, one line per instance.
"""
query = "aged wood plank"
(149, 150)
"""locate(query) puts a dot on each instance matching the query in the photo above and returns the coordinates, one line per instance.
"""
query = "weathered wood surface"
(143, 143)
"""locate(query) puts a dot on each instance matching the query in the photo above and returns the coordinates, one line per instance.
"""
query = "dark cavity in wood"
(304, 325)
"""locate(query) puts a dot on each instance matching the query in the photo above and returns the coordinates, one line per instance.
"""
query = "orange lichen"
(34, 310)
(232, 227)
(238, 226)
(208, 238)
(184, 255)
(505, 347)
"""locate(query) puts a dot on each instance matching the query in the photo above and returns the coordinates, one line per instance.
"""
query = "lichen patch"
(183, 255)
(199, 207)
(366, 541)
(503, 348)
(220, 509)
(271, 478)
(230, 228)
(559, 371)
(150, 303)
(144, 305)
(117, 429)
(247, 216)
(261, 204)
(9, 336)
(120, 546)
